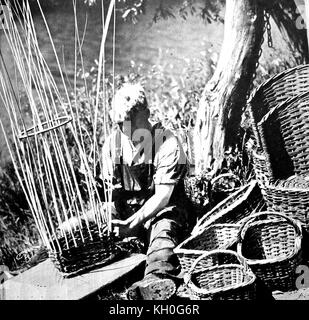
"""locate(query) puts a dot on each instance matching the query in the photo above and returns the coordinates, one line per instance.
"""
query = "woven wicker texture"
(287, 158)
(204, 193)
(224, 185)
(273, 92)
(234, 208)
(260, 166)
(218, 228)
(284, 136)
(198, 189)
(90, 251)
(226, 278)
(216, 236)
(271, 244)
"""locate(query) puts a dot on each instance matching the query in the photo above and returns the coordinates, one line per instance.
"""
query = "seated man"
(150, 164)
(147, 165)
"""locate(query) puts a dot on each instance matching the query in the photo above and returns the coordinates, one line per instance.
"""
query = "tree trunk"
(307, 19)
(286, 17)
(224, 97)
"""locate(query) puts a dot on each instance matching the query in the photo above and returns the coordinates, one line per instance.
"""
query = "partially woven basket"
(85, 252)
(214, 278)
(271, 244)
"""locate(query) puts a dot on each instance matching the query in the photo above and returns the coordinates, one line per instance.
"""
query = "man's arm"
(152, 206)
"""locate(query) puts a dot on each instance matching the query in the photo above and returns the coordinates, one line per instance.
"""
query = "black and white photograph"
(154, 150)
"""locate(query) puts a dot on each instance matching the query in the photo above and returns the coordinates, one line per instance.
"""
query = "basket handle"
(253, 217)
(241, 260)
(187, 276)
(212, 215)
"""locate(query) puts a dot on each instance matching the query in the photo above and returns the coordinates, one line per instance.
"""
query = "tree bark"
(285, 16)
(224, 97)
(307, 19)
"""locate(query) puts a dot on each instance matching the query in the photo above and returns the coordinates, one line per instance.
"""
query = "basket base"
(93, 254)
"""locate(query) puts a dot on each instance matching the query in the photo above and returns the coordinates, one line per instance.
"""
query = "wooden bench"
(45, 282)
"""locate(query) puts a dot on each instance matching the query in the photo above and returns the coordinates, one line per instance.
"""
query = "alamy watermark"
(150, 142)
(302, 281)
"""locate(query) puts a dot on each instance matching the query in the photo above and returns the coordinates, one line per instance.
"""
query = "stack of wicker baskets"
(279, 113)
(218, 228)
(268, 249)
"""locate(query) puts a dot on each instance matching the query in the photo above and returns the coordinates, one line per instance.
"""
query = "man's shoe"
(152, 287)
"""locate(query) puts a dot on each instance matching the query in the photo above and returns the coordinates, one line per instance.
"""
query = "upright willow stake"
(100, 67)
(42, 153)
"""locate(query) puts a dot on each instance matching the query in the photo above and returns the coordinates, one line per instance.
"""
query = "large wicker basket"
(271, 244)
(85, 252)
(221, 275)
(285, 141)
(273, 92)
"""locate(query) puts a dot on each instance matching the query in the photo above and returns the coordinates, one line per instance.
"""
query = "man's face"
(133, 121)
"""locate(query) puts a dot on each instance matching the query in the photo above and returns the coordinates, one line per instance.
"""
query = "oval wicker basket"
(271, 244)
(211, 277)
(216, 236)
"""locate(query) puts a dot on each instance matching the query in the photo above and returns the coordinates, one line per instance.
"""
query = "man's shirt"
(160, 159)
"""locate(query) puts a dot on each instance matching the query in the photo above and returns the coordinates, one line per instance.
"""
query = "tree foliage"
(208, 10)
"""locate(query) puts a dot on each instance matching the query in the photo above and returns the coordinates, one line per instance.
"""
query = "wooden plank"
(45, 282)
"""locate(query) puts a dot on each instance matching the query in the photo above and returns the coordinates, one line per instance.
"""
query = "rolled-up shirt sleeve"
(170, 162)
